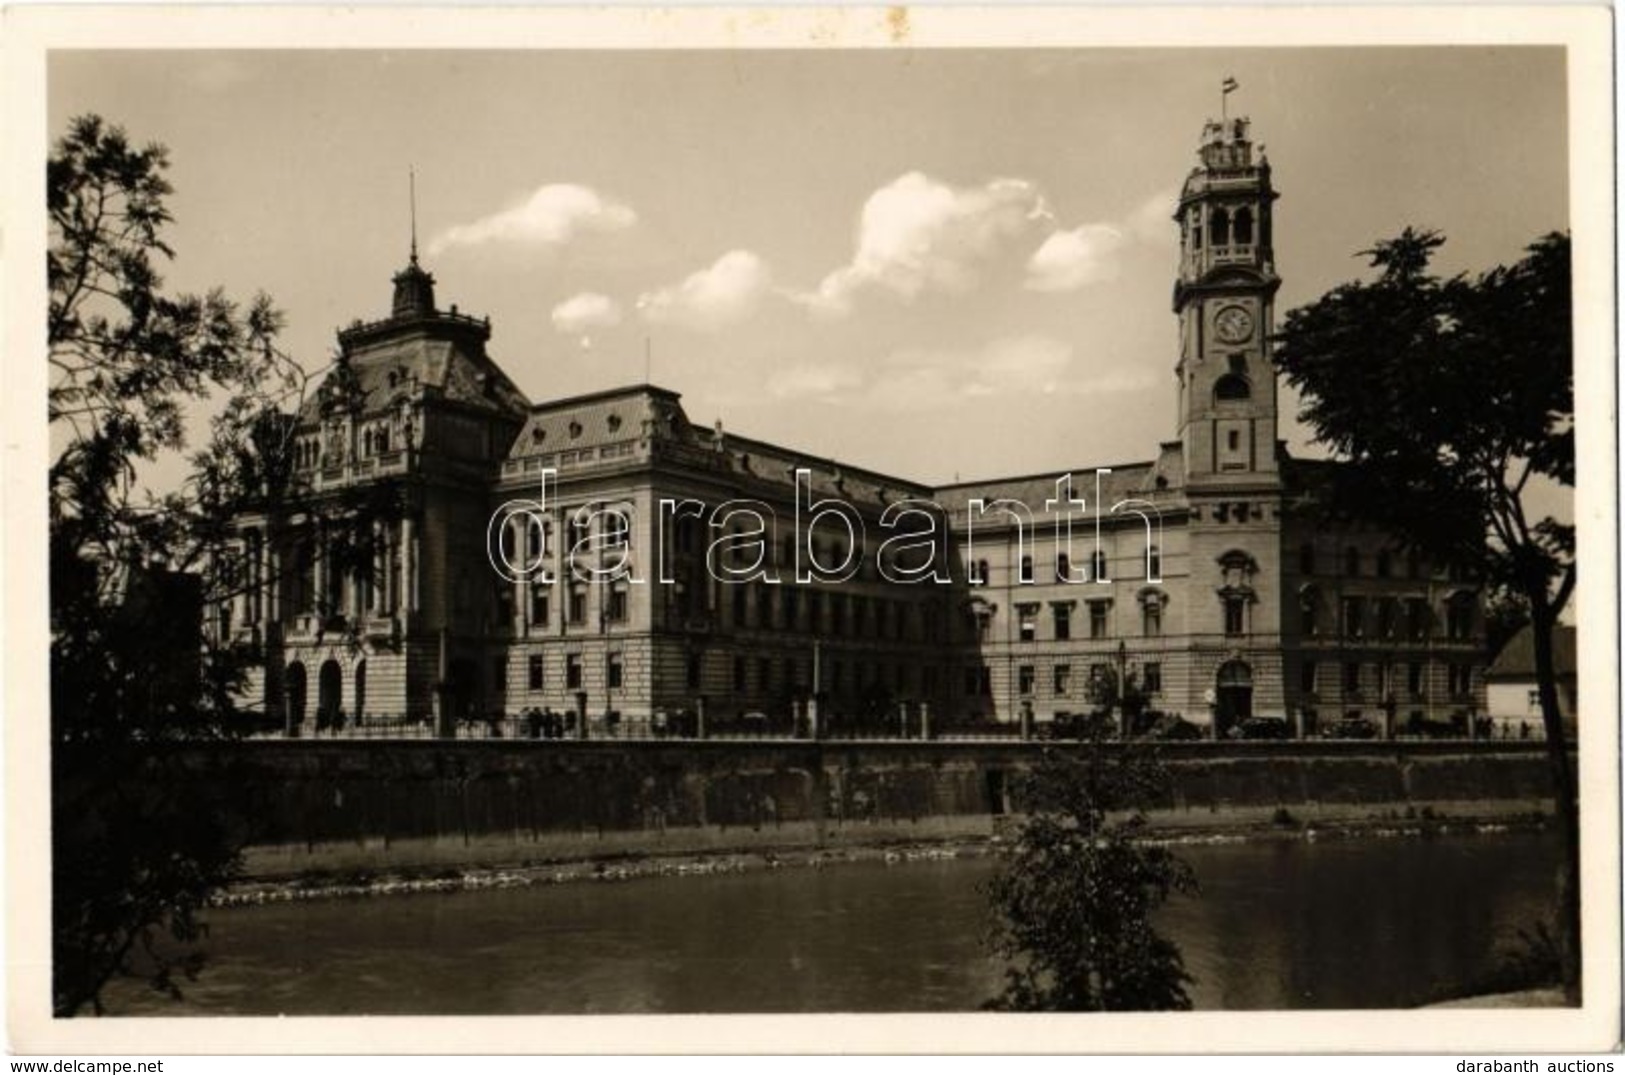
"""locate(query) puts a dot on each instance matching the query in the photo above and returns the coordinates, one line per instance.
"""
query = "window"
(1063, 566)
(614, 673)
(980, 573)
(1459, 618)
(580, 527)
(1353, 617)
(1196, 229)
(1232, 388)
(1219, 228)
(1386, 617)
(1063, 680)
(1416, 618)
(578, 604)
(617, 529)
(1413, 679)
(1351, 678)
(539, 604)
(1097, 566)
(617, 603)
(1024, 679)
(1235, 616)
(1026, 622)
(1151, 677)
(739, 674)
(1063, 622)
(1153, 563)
(1309, 606)
(572, 672)
(1151, 616)
(1244, 226)
(694, 669)
(538, 672)
(1233, 440)
(1307, 673)
(1306, 559)
(1385, 681)
(1026, 570)
(1461, 680)
(1097, 619)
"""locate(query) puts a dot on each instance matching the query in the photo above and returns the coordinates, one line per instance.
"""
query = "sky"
(938, 264)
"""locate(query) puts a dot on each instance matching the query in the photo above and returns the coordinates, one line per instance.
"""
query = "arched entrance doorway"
(329, 681)
(1235, 695)
(360, 707)
(293, 698)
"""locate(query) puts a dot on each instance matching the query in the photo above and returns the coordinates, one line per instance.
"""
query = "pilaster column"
(403, 598)
(271, 580)
(520, 526)
(378, 570)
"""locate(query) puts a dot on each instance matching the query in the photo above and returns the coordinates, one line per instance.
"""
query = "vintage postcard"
(882, 522)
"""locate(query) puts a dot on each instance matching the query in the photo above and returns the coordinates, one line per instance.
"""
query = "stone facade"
(1194, 573)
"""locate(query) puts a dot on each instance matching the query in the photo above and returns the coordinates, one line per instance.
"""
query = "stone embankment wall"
(371, 806)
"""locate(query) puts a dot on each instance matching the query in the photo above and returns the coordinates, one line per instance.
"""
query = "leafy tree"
(1450, 400)
(132, 673)
(1073, 904)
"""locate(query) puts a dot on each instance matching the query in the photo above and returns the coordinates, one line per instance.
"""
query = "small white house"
(1514, 701)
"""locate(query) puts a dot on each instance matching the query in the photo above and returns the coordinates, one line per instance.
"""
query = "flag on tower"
(1231, 85)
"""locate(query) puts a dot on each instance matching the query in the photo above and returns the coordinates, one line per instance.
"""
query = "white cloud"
(582, 313)
(1069, 260)
(722, 294)
(922, 380)
(552, 216)
(824, 382)
(918, 233)
(1093, 253)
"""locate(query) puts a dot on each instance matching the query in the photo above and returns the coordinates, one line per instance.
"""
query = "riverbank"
(625, 866)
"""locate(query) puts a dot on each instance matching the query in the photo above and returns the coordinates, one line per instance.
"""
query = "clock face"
(1233, 324)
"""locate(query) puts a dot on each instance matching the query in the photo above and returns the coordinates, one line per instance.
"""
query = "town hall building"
(1198, 574)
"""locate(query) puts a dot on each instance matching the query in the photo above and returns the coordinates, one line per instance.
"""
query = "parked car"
(1265, 728)
(1173, 726)
(1079, 726)
(1353, 728)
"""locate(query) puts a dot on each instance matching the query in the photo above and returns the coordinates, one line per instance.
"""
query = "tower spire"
(412, 196)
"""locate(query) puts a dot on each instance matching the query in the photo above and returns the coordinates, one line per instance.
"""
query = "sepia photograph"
(824, 524)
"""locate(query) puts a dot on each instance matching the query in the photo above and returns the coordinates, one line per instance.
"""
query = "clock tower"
(1224, 297)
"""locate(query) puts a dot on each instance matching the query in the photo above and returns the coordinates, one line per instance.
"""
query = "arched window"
(1244, 227)
(1232, 387)
(1219, 228)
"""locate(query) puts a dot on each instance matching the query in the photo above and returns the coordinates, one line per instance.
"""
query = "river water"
(1279, 924)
